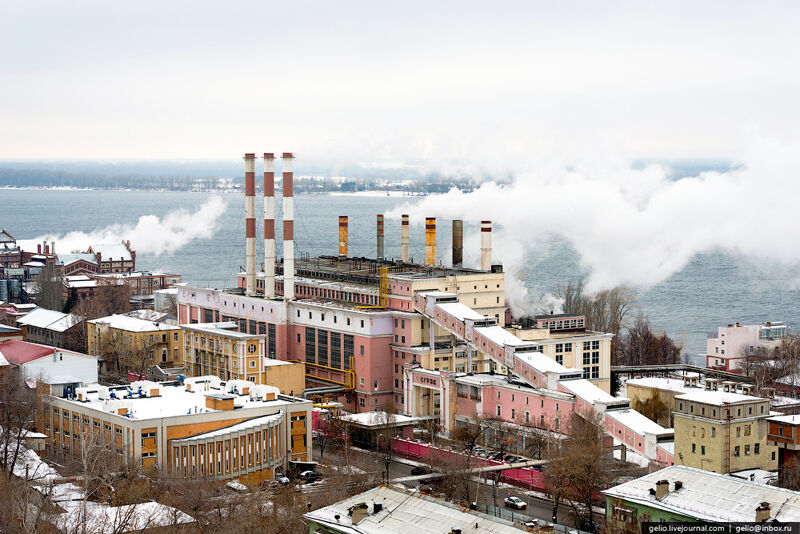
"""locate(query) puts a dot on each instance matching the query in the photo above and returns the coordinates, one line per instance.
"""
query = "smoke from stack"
(458, 243)
(250, 222)
(288, 226)
(380, 237)
(430, 241)
(404, 239)
(269, 225)
(343, 237)
(486, 245)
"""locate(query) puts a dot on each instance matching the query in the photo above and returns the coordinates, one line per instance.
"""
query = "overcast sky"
(386, 83)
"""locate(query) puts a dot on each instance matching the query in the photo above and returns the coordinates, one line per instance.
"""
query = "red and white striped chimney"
(250, 222)
(288, 226)
(269, 225)
(379, 254)
(486, 245)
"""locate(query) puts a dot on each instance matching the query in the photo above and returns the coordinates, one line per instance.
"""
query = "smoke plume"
(150, 235)
(638, 226)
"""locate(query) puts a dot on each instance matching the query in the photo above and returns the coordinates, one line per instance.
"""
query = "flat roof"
(786, 419)
(378, 419)
(132, 324)
(175, 400)
(717, 398)
(224, 328)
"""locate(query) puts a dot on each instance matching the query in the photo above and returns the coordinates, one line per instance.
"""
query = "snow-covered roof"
(636, 421)
(66, 259)
(132, 324)
(377, 419)
(49, 319)
(717, 398)
(220, 329)
(403, 512)
(460, 311)
(500, 335)
(101, 518)
(587, 391)
(175, 400)
(112, 252)
(710, 496)
(786, 419)
(542, 363)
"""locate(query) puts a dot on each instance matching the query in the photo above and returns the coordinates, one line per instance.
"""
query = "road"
(538, 508)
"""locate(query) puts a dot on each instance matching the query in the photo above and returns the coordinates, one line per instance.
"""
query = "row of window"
(326, 348)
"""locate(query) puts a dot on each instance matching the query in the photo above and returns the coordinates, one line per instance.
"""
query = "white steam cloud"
(150, 235)
(637, 226)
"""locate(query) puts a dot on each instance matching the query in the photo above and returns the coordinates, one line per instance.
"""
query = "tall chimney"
(250, 223)
(430, 241)
(343, 236)
(486, 245)
(269, 225)
(288, 226)
(53, 247)
(404, 239)
(458, 243)
(380, 237)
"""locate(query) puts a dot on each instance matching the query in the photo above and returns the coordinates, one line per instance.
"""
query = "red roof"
(20, 352)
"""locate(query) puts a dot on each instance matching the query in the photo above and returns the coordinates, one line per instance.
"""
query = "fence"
(526, 477)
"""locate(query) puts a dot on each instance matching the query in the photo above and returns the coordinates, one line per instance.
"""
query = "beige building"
(201, 428)
(219, 349)
(723, 432)
(135, 344)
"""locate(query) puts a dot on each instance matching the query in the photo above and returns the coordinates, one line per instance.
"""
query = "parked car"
(515, 502)
(309, 476)
(498, 456)
(420, 470)
(509, 458)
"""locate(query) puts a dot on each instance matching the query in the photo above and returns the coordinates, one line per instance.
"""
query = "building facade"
(734, 344)
(134, 344)
(723, 432)
(203, 428)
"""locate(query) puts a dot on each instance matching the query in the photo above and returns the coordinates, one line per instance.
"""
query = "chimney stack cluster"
(269, 224)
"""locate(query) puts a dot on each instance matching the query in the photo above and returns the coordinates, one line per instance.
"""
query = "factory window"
(309, 315)
(757, 448)
(402, 339)
(694, 448)
(567, 347)
(362, 323)
(737, 451)
(252, 363)
(310, 344)
(773, 456)
(396, 368)
(262, 328)
(322, 347)
(336, 350)
(746, 430)
(396, 384)
(175, 337)
(703, 450)
(560, 359)
(395, 323)
(298, 338)
(334, 319)
(402, 323)
(271, 343)
(348, 349)
(361, 349)
(738, 431)
(348, 321)
(595, 357)
(587, 358)
(747, 450)
(298, 313)
(361, 402)
(499, 410)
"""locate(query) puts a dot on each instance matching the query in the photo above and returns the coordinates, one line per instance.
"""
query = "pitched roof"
(20, 352)
(710, 496)
(49, 319)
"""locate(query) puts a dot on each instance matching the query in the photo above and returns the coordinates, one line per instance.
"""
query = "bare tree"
(432, 427)
(654, 409)
(17, 416)
(579, 468)
(50, 288)
(641, 346)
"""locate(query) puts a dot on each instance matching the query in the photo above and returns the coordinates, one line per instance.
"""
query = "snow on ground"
(631, 456)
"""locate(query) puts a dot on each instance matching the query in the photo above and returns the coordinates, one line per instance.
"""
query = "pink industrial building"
(736, 343)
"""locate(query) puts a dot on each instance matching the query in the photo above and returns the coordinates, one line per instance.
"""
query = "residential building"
(220, 349)
(134, 344)
(7, 333)
(386, 510)
(142, 283)
(78, 263)
(59, 368)
(723, 432)
(681, 493)
(198, 428)
(734, 344)
(54, 328)
(784, 433)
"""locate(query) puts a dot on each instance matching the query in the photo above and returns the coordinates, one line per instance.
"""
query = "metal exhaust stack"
(380, 237)
(430, 241)
(458, 243)
(343, 236)
(269, 225)
(404, 239)
(486, 245)
(250, 223)
(288, 226)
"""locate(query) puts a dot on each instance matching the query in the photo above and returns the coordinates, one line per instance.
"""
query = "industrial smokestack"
(458, 243)
(380, 237)
(404, 239)
(269, 225)
(250, 222)
(343, 236)
(430, 241)
(486, 245)
(52, 247)
(288, 226)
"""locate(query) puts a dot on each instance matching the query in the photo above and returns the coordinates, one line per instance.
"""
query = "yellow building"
(575, 348)
(134, 344)
(722, 432)
(219, 349)
(202, 428)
